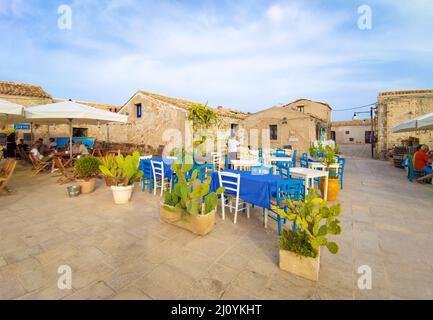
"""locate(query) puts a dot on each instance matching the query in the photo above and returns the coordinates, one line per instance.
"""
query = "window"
(273, 128)
(79, 132)
(233, 128)
(347, 132)
(351, 139)
(138, 107)
(300, 108)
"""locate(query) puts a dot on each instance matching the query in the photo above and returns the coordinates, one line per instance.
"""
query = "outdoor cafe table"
(309, 174)
(318, 165)
(256, 189)
(244, 164)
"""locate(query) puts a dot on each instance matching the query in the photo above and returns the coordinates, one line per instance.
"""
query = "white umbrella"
(10, 111)
(68, 111)
(426, 123)
(415, 124)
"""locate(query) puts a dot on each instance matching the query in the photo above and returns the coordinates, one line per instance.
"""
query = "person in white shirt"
(80, 148)
(232, 147)
(35, 151)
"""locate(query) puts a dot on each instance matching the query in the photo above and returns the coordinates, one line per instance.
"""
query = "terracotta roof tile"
(394, 93)
(103, 106)
(22, 89)
(185, 104)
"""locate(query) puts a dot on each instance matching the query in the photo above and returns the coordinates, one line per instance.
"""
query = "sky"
(247, 55)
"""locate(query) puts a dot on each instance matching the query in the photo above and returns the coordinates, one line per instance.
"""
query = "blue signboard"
(21, 126)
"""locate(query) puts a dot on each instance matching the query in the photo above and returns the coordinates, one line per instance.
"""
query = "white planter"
(122, 195)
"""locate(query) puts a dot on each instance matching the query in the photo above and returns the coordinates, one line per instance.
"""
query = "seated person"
(421, 163)
(23, 146)
(36, 152)
(80, 148)
(43, 149)
(53, 144)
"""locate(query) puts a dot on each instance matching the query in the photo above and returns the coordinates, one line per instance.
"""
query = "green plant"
(189, 195)
(8, 131)
(123, 170)
(87, 167)
(314, 221)
(202, 117)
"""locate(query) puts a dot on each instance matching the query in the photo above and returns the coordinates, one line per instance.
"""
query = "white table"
(309, 174)
(321, 166)
(244, 164)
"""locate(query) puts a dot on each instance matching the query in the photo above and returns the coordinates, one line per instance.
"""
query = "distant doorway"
(367, 136)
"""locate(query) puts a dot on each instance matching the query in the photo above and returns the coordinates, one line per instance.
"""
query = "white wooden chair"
(217, 159)
(158, 176)
(232, 184)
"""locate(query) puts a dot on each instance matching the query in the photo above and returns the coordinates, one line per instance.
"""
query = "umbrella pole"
(70, 139)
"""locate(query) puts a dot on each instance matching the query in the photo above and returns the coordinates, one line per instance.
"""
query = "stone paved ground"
(125, 252)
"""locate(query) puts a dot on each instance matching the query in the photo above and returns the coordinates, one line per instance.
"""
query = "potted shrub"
(190, 205)
(328, 159)
(300, 247)
(86, 170)
(123, 172)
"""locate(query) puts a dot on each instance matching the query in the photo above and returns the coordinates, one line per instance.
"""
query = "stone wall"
(395, 108)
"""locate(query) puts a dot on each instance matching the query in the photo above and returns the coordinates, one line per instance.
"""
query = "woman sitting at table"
(422, 161)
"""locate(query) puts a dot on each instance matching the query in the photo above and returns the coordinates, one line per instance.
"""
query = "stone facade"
(298, 124)
(351, 132)
(395, 108)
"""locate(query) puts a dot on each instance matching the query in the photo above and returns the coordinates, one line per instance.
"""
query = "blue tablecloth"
(146, 167)
(255, 189)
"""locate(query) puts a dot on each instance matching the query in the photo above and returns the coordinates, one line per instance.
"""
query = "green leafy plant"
(87, 167)
(314, 221)
(190, 195)
(8, 131)
(123, 170)
(202, 117)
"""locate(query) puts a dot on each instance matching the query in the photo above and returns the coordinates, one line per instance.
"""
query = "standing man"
(232, 147)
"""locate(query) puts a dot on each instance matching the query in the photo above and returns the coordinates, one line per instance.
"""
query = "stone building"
(296, 124)
(351, 132)
(395, 107)
(150, 115)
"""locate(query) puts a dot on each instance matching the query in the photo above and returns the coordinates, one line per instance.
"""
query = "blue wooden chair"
(342, 164)
(303, 162)
(287, 188)
(147, 178)
(205, 170)
(295, 153)
(283, 169)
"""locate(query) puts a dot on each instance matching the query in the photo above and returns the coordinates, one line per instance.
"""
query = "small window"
(347, 132)
(351, 139)
(300, 108)
(138, 107)
(273, 128)
(79, 132)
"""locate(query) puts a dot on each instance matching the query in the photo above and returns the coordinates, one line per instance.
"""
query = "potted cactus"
(86, 171)
(108, 162)
(123, 173)
(190, 205)
(300, 247)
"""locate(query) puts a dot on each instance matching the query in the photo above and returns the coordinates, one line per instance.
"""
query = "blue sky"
(247, 55)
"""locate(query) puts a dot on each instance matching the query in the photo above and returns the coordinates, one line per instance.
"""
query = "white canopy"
(68, 111)
(424, 122)
(10, 111)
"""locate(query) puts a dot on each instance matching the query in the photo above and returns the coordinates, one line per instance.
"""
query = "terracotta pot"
(305, 267)
(333, 188)
(122, 194)
(87, 186)
(200, 224)
(108, 181)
